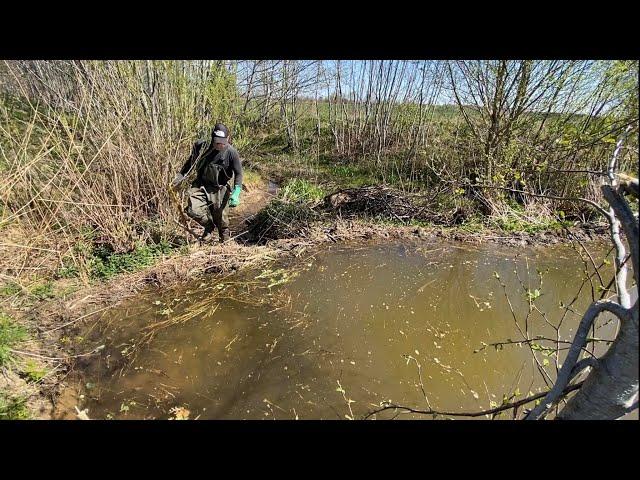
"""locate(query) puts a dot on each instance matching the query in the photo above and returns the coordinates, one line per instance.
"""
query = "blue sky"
(366, 73)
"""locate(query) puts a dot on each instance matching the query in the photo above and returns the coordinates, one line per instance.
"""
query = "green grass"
(251, 177)
(302, 191)
(13, 407)
(333, 173)
(10, 334)
(350, 175)
(513, 224)
(100, 262)
(33, 371)
(476, 224)
(67, 271)
(104, 264)
(42, 291)
(473, 226)
(9, 289)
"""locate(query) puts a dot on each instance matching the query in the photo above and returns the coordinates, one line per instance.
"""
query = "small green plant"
(509, 223)
(533, 295)
(10, 334)
(33, 372)
(13, 408)
(43, 291)
(67, 271)
(9, 289)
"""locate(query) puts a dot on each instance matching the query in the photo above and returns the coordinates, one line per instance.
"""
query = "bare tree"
(611, 389)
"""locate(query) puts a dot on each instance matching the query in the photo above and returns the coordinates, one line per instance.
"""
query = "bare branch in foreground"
(492, 411)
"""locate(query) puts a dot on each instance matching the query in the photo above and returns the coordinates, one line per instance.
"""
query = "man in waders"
(216, 162)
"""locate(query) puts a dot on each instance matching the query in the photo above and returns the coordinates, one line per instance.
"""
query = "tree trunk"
(611, 390)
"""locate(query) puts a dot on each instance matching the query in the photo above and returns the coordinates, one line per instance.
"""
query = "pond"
(337, 332)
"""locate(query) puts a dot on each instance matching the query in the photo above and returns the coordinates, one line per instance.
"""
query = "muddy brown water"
(354, 326)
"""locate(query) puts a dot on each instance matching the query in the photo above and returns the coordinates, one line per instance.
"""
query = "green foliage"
(42, 291)
(533, 295)
(251, 177)
(11, 333)
(473, 225)
(9, 289)
(67, 271)
(13, 407)
(350, 175)
(220, 92)
(100, 261)
(515, 224)
(32, 371)
(105, 264)
(303, 191)
(621, 77)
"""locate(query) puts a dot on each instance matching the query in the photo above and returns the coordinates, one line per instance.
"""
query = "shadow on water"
(355, 326)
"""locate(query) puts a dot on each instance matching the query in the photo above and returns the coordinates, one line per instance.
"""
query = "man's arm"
(236, 164)
(186, 168)
(195, 152)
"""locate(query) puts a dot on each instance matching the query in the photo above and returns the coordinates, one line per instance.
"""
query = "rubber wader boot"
(207, 234)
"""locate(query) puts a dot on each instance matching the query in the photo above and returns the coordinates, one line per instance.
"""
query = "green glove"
(234, 201)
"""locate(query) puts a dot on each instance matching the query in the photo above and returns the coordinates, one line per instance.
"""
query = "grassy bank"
(22, 376)
(306, 182)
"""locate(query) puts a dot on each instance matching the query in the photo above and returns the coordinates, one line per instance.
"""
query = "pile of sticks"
(377, 202)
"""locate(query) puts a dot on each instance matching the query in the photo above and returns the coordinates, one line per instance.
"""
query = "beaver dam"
(337, 333)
